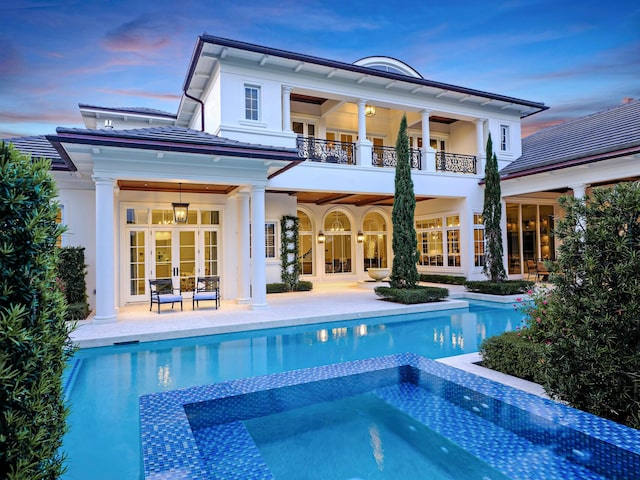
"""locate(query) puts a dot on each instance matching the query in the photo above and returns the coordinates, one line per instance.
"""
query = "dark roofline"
(133, 111)
(202, 39)
(120, 138)
(572, 163)
(22, 145)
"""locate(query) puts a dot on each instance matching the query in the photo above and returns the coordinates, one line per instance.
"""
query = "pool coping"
(170, 451)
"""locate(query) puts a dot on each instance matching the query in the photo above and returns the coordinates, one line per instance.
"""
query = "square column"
(244, 251)
(258, 260)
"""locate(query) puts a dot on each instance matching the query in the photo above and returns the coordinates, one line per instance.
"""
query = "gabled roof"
(39, 147)
(170, 138)
(129, 110)
(608, 134)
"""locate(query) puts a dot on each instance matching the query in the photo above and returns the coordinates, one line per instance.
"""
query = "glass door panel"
(137, 286)
(163, 257)
(210, 249)
(187, 260)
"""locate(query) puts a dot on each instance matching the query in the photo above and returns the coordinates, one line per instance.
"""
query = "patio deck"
(327, 302)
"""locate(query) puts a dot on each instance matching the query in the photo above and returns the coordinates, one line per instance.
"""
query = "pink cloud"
(142, 35)
(142, 93)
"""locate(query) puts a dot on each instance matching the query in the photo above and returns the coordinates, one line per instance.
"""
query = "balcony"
(386, 157)
(328, 151)
(455, 163)
(333, 151)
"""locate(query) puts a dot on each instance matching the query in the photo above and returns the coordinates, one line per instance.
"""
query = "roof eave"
(571, 163)
(224, 42)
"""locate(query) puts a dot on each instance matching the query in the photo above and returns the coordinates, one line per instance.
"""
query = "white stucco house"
(261, 133)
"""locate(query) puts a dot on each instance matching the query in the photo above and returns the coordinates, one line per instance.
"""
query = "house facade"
(261, 133)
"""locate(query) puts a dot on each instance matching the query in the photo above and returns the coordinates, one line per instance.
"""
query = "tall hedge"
(72, 272)
(591, 322)
(491, 216)
(34, 339)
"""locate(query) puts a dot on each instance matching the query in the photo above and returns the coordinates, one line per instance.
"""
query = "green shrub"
(409, 296)
(509, 287)
(34, 337)
(591, 321)
(513, 354)
(448, 279)
(302, 286)
(72, 273)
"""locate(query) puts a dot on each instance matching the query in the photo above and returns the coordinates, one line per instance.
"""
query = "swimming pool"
(394, 417)
(104, 384)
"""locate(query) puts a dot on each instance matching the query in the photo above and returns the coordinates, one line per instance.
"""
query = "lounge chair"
(207, 288)
(162, 291)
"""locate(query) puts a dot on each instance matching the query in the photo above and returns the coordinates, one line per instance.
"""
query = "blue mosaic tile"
(198, 432)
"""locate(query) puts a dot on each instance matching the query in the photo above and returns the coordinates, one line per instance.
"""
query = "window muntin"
(439, 241)
(375, 241)
(270, 240)
(251, 102)
(305, 243)
(478, 240)
(504, 138)
(337, 230)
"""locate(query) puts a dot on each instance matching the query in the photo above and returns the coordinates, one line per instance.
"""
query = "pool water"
(358, 437)
(104, 384)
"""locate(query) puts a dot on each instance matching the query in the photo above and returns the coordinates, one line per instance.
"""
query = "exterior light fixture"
(321, 237)
(369, 110)
(360, 237)
(180, 210)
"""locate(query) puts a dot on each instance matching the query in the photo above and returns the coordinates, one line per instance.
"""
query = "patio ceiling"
(358, 200)
(318, 198)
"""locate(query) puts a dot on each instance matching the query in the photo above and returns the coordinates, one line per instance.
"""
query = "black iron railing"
(329, 151)
(455, 163)
(386, 157)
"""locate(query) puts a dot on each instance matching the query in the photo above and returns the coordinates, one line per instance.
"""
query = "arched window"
(337, 246)
(305, 243)
(375, 241)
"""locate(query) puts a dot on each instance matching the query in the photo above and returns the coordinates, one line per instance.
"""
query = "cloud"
(143, 35)
(141, 94)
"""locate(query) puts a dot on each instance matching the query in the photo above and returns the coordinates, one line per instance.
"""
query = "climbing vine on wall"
(289, 251)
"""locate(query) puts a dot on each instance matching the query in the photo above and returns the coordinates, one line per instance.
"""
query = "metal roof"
(607, 134)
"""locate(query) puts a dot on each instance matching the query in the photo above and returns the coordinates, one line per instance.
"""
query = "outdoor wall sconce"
(360, 237)
(369, 110)
(321, 237)
(180, 210)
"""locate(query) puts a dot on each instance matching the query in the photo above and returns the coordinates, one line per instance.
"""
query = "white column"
(579, 190)
(286, 108)
(480, 145)
(244, 253)
(363, 150)
(105, 251)
(428, 153)
(258, 261)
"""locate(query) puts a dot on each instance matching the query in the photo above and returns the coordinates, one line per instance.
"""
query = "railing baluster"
(386, 157)
(329, 151)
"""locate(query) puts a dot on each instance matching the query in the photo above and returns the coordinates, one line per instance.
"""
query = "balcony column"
(286, 108)
(258, 260)
(428, 153)
(480, 145)
(363, 146)
(105, 247)
(244, 251)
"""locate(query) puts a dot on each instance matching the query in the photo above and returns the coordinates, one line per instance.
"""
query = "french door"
(179, 254)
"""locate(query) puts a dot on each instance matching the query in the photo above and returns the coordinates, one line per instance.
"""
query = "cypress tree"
(404, 273)
(492, 215)
(34, 338)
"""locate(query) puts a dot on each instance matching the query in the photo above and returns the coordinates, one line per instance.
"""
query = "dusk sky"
(578, 57)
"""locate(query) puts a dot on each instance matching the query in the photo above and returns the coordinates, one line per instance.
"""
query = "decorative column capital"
(287, 89)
